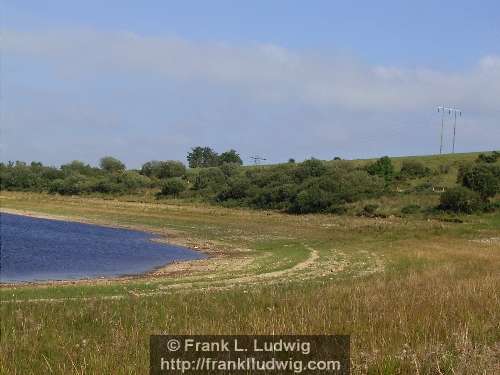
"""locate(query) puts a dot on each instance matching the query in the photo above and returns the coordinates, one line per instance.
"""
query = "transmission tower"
(451, 111)
(257, 159)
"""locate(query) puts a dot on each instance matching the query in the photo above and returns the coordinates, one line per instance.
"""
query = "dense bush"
(212, 179)
(461, 200)
(131, 181)
(236, 189)
(307, 187)
(173, 187)
(489, 158)
(312, 199)
(382, 167)
(163, 169)
(483, 178)
(230, 169)
(71, 185)
(310, 168)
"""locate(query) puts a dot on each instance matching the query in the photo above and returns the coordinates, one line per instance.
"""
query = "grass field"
(417, 296)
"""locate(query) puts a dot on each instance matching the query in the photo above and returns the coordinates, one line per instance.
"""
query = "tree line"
(307, 187)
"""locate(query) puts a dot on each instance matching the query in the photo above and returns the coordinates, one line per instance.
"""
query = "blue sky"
(148, 80)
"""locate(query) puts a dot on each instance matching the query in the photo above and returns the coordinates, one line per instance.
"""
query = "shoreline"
(165, 236)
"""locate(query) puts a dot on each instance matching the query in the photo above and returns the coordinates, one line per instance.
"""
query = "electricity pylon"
(257, 159)
(450, 111)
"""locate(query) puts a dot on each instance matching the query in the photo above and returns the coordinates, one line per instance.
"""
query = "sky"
(149, 80)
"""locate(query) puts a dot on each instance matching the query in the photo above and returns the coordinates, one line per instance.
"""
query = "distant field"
(418, 295)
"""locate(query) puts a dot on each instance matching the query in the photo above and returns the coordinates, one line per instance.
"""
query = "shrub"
(350, 186)
(482, 178)
(382, 167)
(236, 189)
(209, 178)
(310, 168)
(104, 185)
(311, 200)
(488, 158)
(461, 200)
(71, 185)
(132, 180)
(279, 196)
(172, 186)
(230, 169)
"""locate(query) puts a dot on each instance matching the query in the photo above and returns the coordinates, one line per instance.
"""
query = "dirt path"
(313, 257)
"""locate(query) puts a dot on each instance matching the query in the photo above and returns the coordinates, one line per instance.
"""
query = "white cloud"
(267, 70)
(323, 97)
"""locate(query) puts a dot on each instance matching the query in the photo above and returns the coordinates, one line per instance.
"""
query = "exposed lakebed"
(34, 249)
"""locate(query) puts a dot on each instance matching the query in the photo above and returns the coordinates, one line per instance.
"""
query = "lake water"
(40, 249)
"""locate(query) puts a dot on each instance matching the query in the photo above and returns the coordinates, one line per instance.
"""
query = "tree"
(77, 166)
(202, 157)
(163, 169)
(382, 167)
(230, 156)
(111, 164)
(150, 168)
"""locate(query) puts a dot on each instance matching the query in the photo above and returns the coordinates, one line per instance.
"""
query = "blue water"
(41, 249)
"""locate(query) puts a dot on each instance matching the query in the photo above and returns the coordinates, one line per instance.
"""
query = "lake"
(35, 249)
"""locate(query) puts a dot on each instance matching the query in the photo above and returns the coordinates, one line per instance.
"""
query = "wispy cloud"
(328, 85)
(267, 70)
